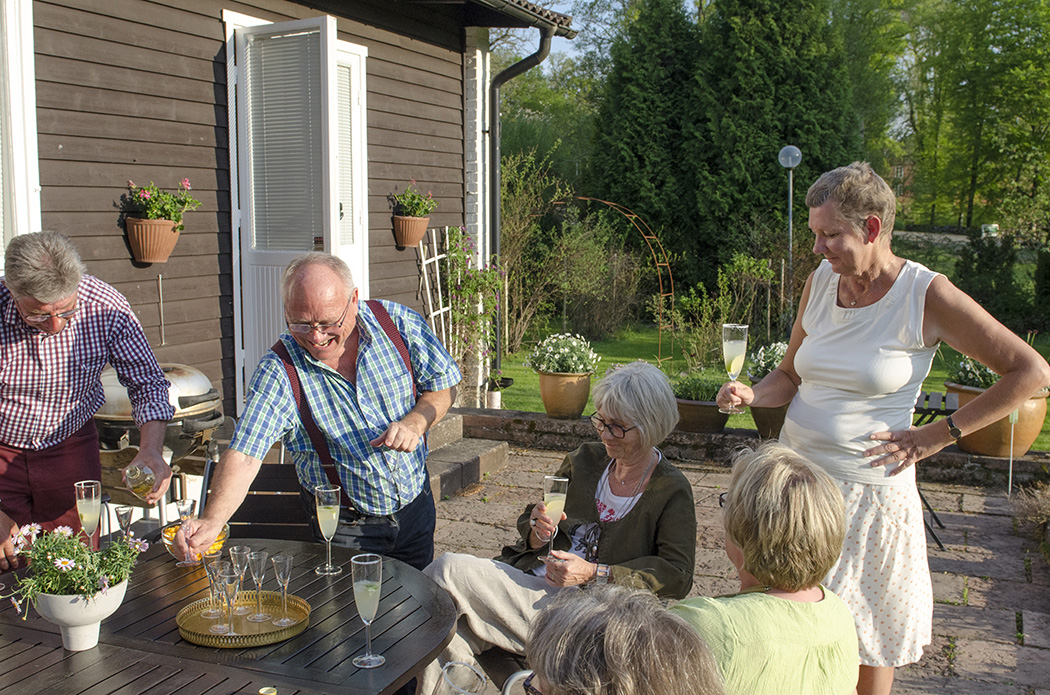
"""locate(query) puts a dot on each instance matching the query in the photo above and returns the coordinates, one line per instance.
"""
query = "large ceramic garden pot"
(564, 395)
(151, 241)
(80, 619)
(409, 231)
(701, 416)
(994, 440)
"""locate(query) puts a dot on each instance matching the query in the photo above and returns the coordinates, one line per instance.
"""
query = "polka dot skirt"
(883, 574)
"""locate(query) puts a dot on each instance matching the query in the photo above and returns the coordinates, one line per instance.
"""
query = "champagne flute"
(89, 505)
(239, 558)
(554, 491)
(186, 509)
(327, 498)
(210, 557)
(367, 569)
(218, 568)
(458, 678)
(257, 564)
(124, 513)
(282, 567)
(230, 581)
(734, 348)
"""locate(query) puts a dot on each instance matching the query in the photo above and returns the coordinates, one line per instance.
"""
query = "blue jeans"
(407, 535)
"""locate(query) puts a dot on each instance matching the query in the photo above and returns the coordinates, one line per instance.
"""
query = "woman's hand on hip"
(569, 569)
(906, 447)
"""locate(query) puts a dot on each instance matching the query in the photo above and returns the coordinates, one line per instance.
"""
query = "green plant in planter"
(61, 564)
(765, 360)
(967, 372)
(152, 203)
(412, 203)
(700, 386)
(563, 353)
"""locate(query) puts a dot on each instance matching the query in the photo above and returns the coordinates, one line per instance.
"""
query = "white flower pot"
(80, 619)
(493, 399)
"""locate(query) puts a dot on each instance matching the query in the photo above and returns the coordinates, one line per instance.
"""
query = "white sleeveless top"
(862, 369)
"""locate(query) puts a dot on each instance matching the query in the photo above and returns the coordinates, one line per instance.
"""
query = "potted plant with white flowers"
(70, 584)
(969, 379)
(768, 420)
(565, 363)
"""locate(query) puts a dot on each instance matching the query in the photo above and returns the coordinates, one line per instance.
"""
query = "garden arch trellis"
(663, 271)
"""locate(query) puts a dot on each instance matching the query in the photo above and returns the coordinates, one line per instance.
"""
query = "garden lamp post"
(789, 158)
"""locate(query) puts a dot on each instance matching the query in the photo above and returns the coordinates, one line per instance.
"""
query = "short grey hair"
(639, 394)
(334, 263)
(859, 192)
(617, 641)
(44, 266)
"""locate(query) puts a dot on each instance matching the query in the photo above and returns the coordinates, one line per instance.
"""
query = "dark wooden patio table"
(140, 650)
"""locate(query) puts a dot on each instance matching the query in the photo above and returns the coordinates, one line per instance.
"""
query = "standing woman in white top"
(868, 326)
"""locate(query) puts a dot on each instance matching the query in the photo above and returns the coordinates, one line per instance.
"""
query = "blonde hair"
(617, 641)
(640, 395)
(786, 515)
(44, 266)
(858, 192)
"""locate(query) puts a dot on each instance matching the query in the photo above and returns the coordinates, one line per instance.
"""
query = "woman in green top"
(783, 632)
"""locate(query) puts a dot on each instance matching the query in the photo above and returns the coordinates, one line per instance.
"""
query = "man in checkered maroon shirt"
(58, 329)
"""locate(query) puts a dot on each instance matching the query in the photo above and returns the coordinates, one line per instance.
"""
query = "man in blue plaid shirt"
(360, 394)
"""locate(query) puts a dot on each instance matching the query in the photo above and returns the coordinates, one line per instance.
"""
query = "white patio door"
(301, 165)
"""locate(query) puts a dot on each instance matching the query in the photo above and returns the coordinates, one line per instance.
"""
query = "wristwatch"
(602, 576)
(954, 431)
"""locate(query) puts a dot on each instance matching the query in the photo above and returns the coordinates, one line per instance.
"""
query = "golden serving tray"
(194, 628)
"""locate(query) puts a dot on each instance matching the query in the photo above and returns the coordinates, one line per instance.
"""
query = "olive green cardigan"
(653, 546)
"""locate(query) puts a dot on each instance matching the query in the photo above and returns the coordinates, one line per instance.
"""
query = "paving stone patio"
(991, 619)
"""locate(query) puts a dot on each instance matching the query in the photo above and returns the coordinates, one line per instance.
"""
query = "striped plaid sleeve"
(269, 412)
(138, 370)
(434, 368)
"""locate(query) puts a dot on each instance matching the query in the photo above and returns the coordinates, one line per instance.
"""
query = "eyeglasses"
(722, 499)
(529, 687)
(617, 431)
(36, 319)
(302, 328)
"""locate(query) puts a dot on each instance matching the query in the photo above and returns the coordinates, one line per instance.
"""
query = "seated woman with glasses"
(783, 632)
(616, 641)
(629, 519)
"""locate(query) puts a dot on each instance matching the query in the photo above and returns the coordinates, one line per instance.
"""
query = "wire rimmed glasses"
(367, 570)
(734, 349)
(327, 503)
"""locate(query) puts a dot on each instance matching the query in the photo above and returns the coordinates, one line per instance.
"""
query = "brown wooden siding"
(136, 89)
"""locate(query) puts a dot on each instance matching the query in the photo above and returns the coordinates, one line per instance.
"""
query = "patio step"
(464, 462)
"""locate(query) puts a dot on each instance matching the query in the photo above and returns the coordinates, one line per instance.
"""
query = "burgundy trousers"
(38, 485)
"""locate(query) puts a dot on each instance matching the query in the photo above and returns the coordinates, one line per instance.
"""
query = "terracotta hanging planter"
(409, 231)
(994, 440)
(564, 395)
(152, 241)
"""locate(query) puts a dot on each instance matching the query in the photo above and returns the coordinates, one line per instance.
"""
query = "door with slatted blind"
(301, 163)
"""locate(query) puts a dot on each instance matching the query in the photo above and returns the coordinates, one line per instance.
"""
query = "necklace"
(593, 537)
(649, 468)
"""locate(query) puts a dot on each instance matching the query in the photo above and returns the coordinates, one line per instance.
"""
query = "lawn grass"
(642, 344)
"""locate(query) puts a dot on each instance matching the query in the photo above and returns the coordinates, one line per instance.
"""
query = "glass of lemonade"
(554, 491)
(89, 505)
(734, 348)
(327, 498)
(368, 581)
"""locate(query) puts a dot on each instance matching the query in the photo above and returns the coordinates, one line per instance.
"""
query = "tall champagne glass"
(734, 348)
(239, 558)
(554, 491)
(282, 567)
(257, 564)
(89, 505)
(229, 580)
(368, 581)
(210, 557)
(458, 678)
(186, 508)
(327, 498)
(218, 569)
(124, 513)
